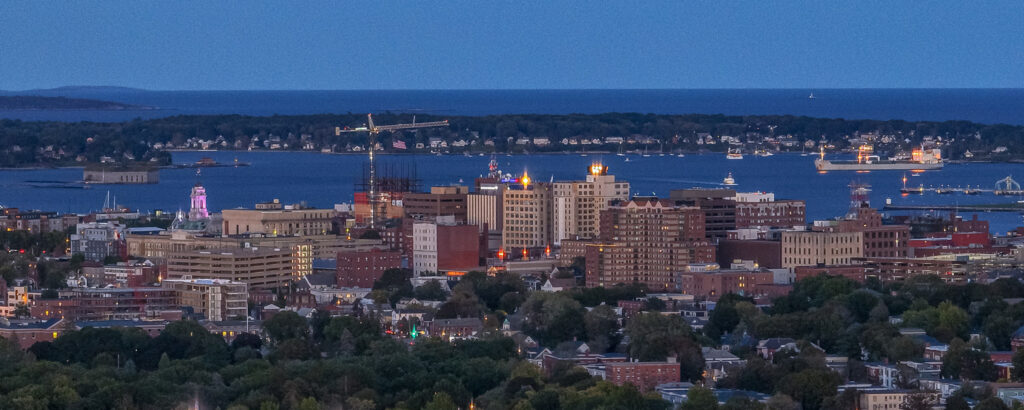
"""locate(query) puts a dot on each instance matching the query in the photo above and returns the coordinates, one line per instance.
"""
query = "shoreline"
(37, 167)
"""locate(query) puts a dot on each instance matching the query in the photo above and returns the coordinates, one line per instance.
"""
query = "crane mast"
(372, 130)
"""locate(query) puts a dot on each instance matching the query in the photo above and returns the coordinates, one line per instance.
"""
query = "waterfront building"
(120, 175)
(578, 204)
(526, 215)
(649, 241)
(259, 268)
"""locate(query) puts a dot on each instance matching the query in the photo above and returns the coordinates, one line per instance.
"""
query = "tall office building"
(526, 215)
(718, 205)
(578, 204)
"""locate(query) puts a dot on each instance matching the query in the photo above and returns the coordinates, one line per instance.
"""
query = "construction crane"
(373, 130)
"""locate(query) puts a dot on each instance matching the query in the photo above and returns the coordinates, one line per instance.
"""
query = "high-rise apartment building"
(649, 241)
(578, 204)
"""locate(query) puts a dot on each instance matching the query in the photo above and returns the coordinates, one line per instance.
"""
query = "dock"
(1004, 187)
(1011, 207)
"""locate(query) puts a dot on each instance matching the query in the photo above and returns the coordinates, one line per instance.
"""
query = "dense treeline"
(324, 363)
(40, 143)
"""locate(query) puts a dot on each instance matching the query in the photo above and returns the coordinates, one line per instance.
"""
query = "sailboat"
(811, 97)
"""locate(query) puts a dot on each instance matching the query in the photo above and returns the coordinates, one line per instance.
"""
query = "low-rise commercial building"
(809, 248)
(290, 221)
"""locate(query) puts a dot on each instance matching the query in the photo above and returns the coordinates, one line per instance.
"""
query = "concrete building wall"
(280, 222)
(424, 244)
(526, 216)
(808, 248)
(263, 268)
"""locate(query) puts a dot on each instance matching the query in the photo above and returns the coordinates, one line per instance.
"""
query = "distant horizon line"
(138, 89)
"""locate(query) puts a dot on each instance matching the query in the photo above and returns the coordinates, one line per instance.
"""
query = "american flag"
(398, 144)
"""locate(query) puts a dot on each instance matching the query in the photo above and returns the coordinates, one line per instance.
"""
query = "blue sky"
(221, 45)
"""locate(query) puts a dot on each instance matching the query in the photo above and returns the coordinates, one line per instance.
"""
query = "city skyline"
(462, 45)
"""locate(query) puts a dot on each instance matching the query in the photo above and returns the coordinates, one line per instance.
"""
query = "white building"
(424, 247)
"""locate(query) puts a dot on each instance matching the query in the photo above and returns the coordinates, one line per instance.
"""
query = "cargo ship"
(919, 160)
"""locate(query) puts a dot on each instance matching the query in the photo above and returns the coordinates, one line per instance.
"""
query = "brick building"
(708, 282)
(644, 375)
(766, 253)
(647, 241)
(761, 209)
(440, 201)
(359, 269)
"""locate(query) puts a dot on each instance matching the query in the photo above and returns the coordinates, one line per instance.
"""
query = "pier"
(1012, 207)
(1003, 187)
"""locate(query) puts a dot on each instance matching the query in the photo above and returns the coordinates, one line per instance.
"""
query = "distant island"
(34, 102)
(54, 143)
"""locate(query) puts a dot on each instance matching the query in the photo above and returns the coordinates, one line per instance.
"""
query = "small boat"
(729, 180)
(811, 97)
(680, 155)
(627, 159)
(734, 154)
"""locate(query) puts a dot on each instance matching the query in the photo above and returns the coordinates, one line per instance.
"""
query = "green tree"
(441, 401)
(553, 318)
(602, 325)
(1017, 374)
(286, 325)
(431, 291)
(919, 400)
(655, 337)
(810, 387)
(700, 398)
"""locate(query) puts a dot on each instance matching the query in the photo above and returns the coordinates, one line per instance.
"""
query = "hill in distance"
(34, 102)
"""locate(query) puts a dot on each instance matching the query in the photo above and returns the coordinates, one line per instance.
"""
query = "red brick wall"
(361, 269)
